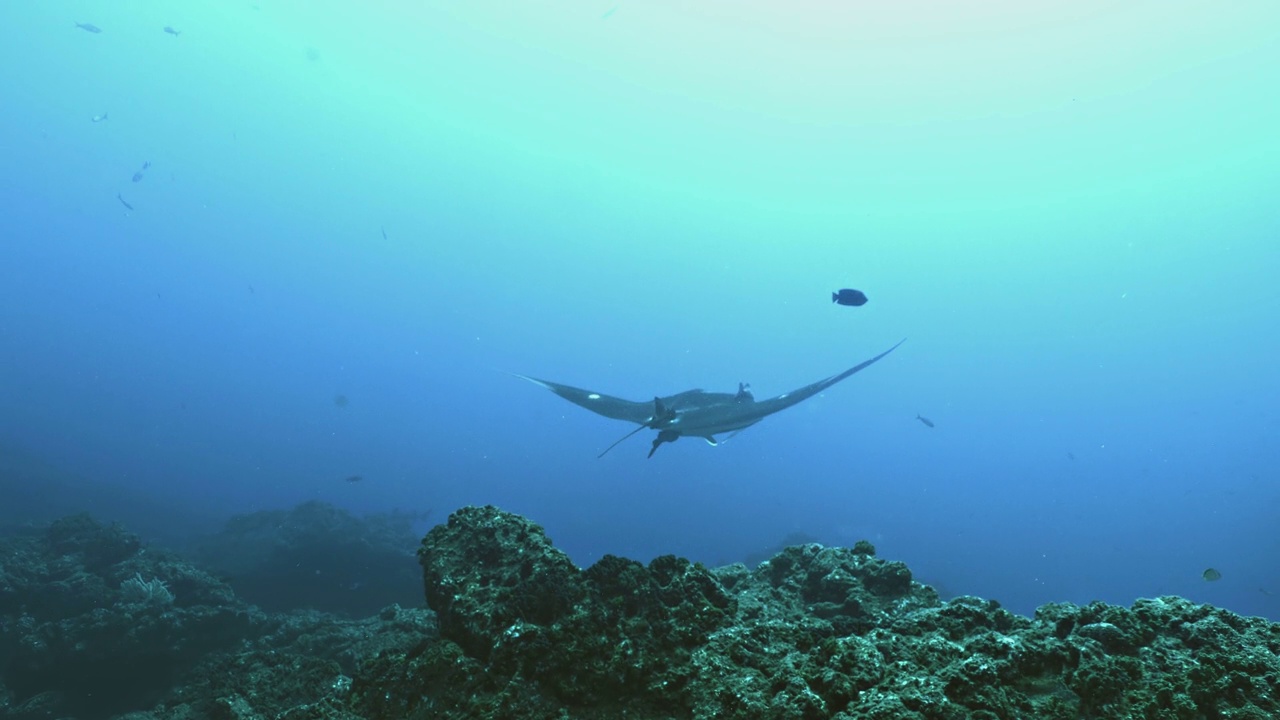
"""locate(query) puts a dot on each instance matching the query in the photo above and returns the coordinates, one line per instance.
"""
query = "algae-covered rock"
(487, 573)
(814, 632)
(543, 634)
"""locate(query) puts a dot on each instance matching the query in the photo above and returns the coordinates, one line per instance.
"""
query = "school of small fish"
(100, 117)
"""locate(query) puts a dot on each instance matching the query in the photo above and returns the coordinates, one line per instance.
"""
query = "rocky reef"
(813, 632)
(92, 623)
(516, 630)
(316, 556)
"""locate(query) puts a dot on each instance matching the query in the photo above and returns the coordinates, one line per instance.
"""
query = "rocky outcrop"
(814, 632)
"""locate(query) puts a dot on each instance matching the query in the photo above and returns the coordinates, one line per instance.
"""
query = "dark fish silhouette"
(1211, 575)
(137, 177)
(89, 27)
(925, 420)
(171, 31)
(122, 201)
(384, 233)
(354, 478)
(852, 298)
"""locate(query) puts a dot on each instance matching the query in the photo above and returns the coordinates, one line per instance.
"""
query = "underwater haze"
(292, 251)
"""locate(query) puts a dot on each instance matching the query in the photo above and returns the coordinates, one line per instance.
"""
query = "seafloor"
(94, 624)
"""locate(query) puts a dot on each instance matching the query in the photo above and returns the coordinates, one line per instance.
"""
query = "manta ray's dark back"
(695, 413)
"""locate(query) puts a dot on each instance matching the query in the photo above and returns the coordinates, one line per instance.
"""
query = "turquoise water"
(1069, 209)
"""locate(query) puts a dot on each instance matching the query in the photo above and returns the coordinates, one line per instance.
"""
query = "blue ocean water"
(354, 225)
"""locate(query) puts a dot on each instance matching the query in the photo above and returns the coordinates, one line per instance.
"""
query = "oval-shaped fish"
(171, 31)
(90, 27)
(1211, 575)
(850, 297)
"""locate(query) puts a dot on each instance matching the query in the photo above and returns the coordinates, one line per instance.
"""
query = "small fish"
(1071, 455)
(137, 177)
(609, 13)
(927, 422)
(384, 232)
(122, 201)
(852, 298)
(354, 478)
(1211, 575)
(171, 31)
(89, 27)
(99, 118)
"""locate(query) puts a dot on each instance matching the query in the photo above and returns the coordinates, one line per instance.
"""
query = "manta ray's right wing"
(786, 400)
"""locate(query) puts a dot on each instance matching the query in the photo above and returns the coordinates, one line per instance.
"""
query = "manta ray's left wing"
(599, 403)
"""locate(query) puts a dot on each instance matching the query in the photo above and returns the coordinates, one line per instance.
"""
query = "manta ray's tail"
(619, 441)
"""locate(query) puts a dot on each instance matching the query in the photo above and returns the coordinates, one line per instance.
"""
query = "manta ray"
(694, 413)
